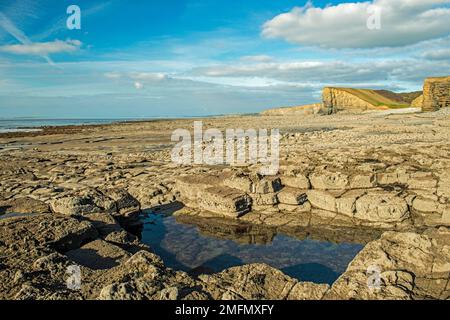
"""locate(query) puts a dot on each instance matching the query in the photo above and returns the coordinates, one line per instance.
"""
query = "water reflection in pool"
(206, 246)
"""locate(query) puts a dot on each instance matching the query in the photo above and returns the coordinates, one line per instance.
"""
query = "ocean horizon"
(35, 124)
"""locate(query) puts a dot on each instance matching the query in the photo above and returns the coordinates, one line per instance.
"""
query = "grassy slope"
(381, 98)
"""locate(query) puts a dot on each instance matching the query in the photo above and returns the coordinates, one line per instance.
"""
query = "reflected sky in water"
(208, 248)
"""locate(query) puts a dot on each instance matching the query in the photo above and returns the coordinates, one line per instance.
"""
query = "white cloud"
(404, 72)
(148, 76)
(257, 58)
(138, 85)
(403, 22)
(112, 75)
(439, 54)
(42, 48)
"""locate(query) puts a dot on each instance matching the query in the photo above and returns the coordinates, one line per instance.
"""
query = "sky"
(170, 58)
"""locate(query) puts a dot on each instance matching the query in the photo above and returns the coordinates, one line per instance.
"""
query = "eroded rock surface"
(65, 199)
(399, 266)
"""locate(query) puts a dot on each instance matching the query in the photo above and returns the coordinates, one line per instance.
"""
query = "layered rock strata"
(436, 94)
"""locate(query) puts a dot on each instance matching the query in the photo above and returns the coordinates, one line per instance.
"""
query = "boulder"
(322, 200)
(268, 199)
(398, 266)
(191, 187)
(361, 181)
(422, 180)
(299, 181)
(225, 201)
(240, 182)
(265, 184)
(117, 202)
(446, 216)
(381, 207)
(144, 277)
(292, 196)
(259, 282)
(327, 180)
(425, 205)
(346, 204)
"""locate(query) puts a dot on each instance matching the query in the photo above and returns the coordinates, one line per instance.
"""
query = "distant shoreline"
(42, 129)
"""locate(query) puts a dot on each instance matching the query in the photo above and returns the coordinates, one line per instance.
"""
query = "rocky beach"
(74, 195)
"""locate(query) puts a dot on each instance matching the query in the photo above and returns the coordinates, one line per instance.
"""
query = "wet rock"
(303, 208)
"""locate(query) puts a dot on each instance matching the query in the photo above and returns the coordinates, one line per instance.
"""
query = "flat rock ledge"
(402, 201)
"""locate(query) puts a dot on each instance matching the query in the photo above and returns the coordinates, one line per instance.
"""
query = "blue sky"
(196, 57)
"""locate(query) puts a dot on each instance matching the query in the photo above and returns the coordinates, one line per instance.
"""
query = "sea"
(30, 125)
(36, 124)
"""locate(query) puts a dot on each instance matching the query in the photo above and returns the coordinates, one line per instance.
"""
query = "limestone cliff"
(337, 99)
(298, 110)
(436, 94)
(418, 102)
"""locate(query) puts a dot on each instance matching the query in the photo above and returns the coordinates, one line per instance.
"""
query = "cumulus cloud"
(403, 22)
(42, 48)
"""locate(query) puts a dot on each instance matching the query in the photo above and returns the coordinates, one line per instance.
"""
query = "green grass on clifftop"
(380, 98)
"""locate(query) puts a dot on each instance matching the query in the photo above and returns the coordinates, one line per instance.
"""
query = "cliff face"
(436, 94)
(336, 99)
(418, 102)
